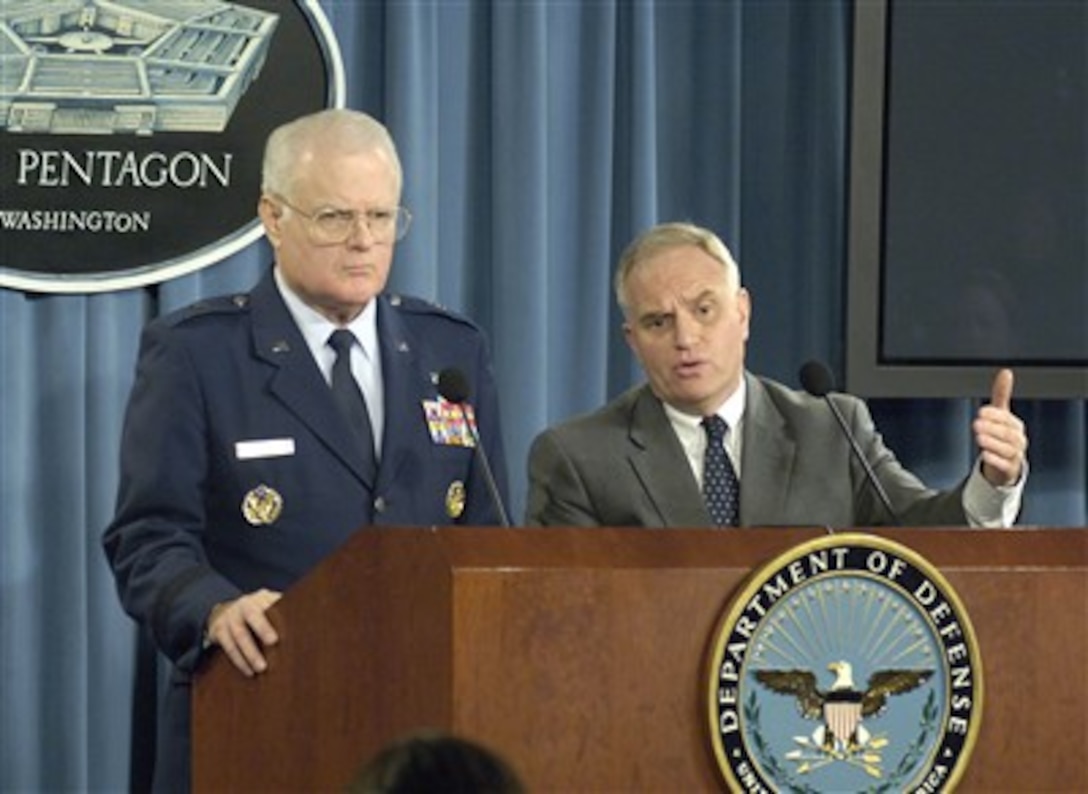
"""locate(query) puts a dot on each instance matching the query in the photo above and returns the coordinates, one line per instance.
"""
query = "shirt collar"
(732, 410)
(692, 436)
(315, 327)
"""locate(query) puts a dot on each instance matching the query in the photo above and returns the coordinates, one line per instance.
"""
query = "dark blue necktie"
(721, 489)
(349, 399)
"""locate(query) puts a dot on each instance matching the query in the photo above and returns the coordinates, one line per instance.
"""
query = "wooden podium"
(579, 655)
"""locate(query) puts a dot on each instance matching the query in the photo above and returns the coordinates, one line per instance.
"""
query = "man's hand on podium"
(242, 629)
(1000, 434)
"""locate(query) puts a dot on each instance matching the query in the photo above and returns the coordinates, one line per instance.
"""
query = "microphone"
(453, 386)
(819, 382)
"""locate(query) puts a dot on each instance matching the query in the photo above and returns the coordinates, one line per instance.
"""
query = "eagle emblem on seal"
(842, 708)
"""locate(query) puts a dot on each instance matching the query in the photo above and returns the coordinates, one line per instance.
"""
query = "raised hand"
(1000, 434)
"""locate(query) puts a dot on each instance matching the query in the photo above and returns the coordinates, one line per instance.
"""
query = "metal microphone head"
(817, 379)
(453, 385)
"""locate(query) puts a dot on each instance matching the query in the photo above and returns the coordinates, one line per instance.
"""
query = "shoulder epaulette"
(222, 304)
(414, 305)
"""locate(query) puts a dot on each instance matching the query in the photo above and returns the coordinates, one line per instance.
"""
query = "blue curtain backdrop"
(538, 137)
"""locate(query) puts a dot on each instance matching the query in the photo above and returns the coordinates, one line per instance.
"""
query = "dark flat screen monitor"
(968, 217)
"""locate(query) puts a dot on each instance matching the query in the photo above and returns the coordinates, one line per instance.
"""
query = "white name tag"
(264, 448)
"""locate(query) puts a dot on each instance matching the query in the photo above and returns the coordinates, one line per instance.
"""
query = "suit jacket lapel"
(295, 378)
(406, 386)
(767, 459)
(661, 465)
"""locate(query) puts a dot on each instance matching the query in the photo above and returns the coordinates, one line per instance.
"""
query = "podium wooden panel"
(579, 655)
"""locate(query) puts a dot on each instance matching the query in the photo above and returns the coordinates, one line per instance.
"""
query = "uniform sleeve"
(154, 543)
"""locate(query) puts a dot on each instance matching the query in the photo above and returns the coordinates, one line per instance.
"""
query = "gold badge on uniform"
(455, 499)
(262, 506)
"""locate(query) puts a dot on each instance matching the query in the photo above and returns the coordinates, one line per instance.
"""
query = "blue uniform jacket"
(202, 520)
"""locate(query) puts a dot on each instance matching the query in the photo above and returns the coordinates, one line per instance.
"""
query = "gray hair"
(335, 131)
(672, 235)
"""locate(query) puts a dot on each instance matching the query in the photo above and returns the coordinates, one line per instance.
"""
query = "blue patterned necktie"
(721, 489)
(349, 399)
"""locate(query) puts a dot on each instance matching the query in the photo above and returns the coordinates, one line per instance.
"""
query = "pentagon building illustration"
(127, 66)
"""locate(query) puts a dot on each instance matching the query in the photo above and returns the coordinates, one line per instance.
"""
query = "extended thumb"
(1001, 392)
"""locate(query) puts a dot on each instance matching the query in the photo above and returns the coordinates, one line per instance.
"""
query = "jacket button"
(379, 504)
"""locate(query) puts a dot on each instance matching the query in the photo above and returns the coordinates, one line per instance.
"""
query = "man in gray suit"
(639, 461)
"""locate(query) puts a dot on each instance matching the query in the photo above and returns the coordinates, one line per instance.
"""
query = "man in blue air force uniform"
(242, 465)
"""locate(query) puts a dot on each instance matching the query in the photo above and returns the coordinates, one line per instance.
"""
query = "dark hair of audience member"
(436, 762)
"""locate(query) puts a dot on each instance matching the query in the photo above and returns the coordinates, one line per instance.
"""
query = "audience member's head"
(436, 763)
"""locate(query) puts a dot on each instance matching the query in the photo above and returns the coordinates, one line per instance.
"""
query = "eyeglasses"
(332, 226)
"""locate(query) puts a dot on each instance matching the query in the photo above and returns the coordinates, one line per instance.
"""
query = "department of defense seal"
(845, 664)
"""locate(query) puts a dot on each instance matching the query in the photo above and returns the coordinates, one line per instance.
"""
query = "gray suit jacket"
(624, 466)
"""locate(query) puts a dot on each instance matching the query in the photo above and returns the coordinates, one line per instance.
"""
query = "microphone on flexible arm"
(453, 386)
(818, 381)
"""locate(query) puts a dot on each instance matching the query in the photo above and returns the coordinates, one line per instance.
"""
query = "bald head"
(665, 236)
(297, 144)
